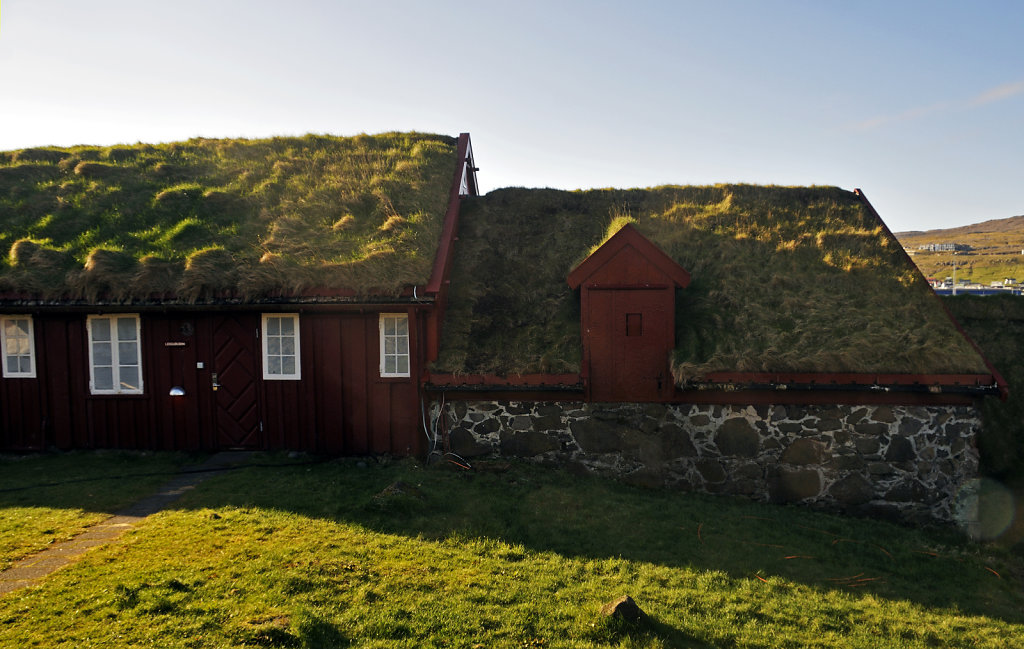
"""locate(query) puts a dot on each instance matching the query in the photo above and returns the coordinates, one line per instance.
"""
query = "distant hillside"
(995, 251)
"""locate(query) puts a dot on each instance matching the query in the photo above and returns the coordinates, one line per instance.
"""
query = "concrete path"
(32, 569)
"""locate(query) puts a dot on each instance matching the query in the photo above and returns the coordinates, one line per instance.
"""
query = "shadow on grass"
(650, 628)
(548, 510)
(90, 481)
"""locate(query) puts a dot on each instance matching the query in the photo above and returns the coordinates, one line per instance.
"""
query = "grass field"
(336, 554)
(45, 499)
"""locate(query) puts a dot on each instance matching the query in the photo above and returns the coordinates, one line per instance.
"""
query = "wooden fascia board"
(628, 236)
(464, 168)
(1004, 388)
(493, 380)
(821, 397)
(848, 379)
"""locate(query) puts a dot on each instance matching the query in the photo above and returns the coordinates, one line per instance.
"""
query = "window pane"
(273, 326)
(18, 346)
(126, 328)
(129, 378)
(103, 378)
(288, 346)
(12, 364)
(25, 364)
(389, 365)
(288, 365)
(389, 345)
(403, 364)
(288, 326)
(274, 365)
(389, 326)
(402, 326)
(274, 346)
(128, 353)
(101, 329)
(16, 328)
(101, 354)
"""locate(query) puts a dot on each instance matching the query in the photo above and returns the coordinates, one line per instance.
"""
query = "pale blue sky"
(920, 104)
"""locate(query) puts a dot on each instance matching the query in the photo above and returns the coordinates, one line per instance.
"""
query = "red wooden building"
(338, 371)
(322, 371)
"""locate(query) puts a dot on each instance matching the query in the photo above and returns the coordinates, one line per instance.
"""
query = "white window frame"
(115, 353)
(267, 338)
(402, 349)
(6, 354)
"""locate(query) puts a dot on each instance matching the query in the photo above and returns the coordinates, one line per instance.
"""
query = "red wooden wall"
(340, 406)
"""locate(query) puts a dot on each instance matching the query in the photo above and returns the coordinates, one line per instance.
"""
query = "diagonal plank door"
(236, 395)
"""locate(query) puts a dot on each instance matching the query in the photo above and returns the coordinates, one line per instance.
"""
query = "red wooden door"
(235, 379)
(628, 343)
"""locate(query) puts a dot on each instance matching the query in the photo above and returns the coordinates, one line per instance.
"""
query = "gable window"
(394, 344)
(281, 347)
(115, 361)
(19, 349)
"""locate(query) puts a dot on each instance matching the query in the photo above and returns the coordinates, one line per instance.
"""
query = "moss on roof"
(192, 220)
(785, 279)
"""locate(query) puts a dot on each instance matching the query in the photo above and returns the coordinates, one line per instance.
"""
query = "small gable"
(628, 258)
(627, 318)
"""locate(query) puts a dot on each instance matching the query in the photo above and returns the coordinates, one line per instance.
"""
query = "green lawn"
(326, 555)
(49, 498)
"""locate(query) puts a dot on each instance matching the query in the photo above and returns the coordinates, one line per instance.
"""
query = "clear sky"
(920, 104)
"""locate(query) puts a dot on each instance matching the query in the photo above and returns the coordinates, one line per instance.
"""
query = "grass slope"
(330, 555)
(784, 279)
(995, 255)
(199, 219)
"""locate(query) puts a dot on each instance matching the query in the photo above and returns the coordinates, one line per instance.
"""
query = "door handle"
(216, 384)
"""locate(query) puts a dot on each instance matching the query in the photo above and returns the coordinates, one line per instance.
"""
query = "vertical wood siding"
(341, 405)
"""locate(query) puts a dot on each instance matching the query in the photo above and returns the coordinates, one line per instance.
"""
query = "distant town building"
(945, 247)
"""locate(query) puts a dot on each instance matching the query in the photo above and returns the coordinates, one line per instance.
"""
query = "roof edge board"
(1004, 390)
(465, 175)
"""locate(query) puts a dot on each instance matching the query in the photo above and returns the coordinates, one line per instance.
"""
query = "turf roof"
(784, 279)
(195, 221)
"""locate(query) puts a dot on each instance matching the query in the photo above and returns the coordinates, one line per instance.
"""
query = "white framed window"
(115, 355)
(281, 347)
(394, 344)
(19, 347)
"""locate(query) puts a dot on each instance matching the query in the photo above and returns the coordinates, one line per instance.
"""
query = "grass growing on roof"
(97, 221)
(996, 324)
(783, 279)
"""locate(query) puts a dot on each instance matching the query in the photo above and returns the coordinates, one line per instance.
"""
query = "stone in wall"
(907, 462)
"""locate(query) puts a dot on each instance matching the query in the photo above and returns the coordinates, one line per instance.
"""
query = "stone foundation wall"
(902, 462)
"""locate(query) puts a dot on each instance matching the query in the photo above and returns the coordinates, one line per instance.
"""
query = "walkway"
(32, 569)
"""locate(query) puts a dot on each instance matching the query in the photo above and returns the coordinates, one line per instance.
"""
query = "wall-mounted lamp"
(177, 391)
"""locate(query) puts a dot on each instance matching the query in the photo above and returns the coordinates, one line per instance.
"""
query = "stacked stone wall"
(902, 462)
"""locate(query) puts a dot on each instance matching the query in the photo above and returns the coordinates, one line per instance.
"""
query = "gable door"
(628, 342)
(234, 379)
